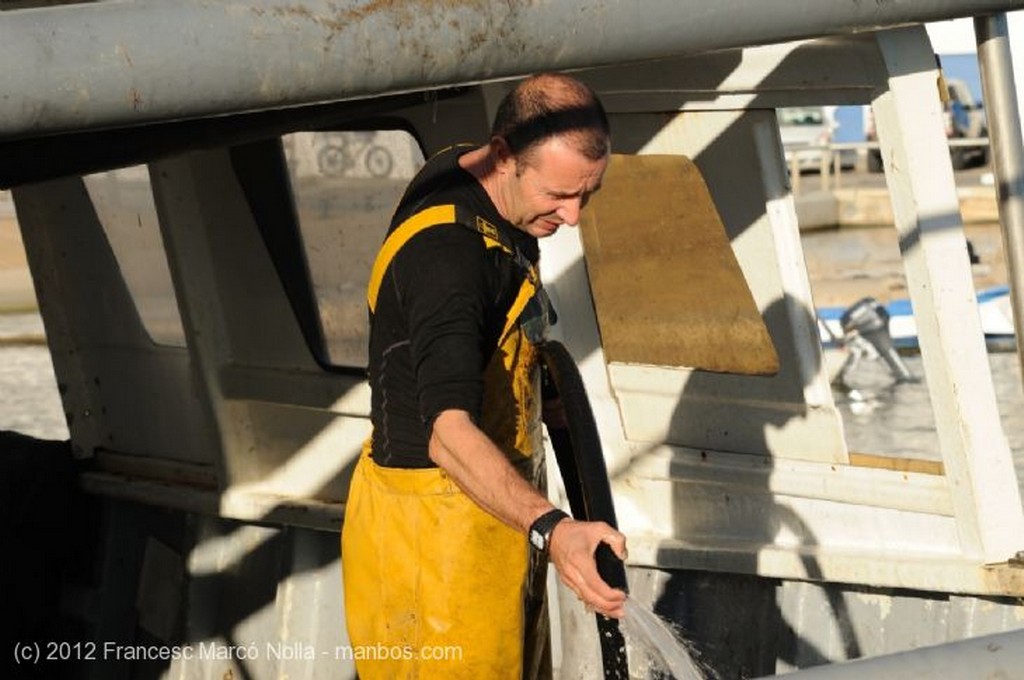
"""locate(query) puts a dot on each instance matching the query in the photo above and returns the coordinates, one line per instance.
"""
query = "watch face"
(537, 539)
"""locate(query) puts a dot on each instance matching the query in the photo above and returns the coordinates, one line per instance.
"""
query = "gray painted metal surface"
(117, 64)
(747, 627)
(990, 656)
(1007, 151)
(201, 597)
(832, 623)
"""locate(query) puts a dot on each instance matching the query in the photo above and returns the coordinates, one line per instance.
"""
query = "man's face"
(550, 188)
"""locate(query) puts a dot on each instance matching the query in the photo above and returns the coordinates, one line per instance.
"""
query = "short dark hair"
(550, 105)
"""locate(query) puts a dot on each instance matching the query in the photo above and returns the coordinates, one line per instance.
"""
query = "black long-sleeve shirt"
(440, 311)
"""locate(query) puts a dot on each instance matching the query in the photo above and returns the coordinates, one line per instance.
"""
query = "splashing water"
(657, 643)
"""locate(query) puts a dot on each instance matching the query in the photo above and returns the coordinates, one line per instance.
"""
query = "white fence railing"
(831, 159)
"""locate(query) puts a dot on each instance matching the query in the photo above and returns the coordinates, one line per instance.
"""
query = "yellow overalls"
(434, 585)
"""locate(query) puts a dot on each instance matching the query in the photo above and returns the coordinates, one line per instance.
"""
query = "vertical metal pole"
(1004, 133)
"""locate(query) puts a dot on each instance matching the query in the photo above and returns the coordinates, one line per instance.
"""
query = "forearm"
(481, 470)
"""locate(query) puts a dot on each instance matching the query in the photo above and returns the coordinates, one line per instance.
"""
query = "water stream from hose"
(659, 646)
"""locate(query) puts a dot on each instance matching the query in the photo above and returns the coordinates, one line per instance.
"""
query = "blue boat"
(994, 309)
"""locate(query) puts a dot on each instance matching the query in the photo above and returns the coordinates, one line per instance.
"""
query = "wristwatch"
(540, 530)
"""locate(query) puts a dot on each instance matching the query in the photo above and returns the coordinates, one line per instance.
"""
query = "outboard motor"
(868, 321)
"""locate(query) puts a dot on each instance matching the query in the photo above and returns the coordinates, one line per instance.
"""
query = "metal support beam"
(113, 64)
(1004, 127)
(975, 452)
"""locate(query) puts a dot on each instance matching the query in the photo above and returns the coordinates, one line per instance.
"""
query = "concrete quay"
(861, 199)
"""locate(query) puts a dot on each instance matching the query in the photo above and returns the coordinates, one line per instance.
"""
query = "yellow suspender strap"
(526, 292)
(441, 214)
(431, 217)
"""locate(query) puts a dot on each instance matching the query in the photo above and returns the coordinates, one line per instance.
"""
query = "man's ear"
(504, 160)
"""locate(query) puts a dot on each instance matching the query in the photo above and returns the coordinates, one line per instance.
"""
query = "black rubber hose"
(581, 462)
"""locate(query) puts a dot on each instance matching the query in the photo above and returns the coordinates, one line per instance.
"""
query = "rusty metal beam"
(116, 64)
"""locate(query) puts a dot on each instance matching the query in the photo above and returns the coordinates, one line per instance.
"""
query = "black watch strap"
(540, 530)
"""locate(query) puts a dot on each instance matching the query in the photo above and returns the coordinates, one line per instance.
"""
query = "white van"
(806, 132)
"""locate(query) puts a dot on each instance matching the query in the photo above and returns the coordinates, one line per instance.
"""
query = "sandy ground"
(16, 291)
(849, 263)
(12, 251)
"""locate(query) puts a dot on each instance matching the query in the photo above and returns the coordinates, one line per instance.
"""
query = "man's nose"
(569, 211)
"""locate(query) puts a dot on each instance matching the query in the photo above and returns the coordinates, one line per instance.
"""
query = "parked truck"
(964, 119)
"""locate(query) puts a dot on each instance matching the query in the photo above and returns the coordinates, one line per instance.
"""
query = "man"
(435, 555)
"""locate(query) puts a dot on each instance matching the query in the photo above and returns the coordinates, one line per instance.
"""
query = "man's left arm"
(481, 470)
